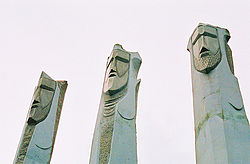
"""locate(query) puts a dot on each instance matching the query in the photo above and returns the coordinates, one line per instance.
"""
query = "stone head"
(117, 71)
(42, 100)
(205, 48)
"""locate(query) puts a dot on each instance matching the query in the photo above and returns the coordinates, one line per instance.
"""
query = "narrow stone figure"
(114, 140)
(222, 131)
(37, 141)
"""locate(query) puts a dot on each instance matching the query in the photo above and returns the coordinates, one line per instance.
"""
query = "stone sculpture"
(37, 141)
(114, 139)
(222, 132)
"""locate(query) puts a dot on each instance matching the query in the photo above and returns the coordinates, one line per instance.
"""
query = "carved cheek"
(196, 48)
(46, 97)
(124, 79)
(120, 81)
(36, 102)
(107, 74)
(110, 66)
(122, 68)
(213, 45)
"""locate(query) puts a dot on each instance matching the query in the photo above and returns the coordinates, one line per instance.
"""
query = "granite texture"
(37, 141)
(114, 139)
(222, 132)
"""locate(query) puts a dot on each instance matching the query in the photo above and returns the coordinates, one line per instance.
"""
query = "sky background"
(71, 40)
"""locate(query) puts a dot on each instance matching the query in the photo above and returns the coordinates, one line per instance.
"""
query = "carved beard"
(110, 102)
(207, 63)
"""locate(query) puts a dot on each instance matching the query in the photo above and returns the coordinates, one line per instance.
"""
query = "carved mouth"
(205, 53)
(34, 106)
(112, 74)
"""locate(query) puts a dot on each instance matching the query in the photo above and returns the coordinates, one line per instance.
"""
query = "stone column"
(114, 140)
(222, 132)
(38, 138)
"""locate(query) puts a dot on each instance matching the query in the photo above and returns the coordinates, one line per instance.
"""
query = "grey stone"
(37, 141)
(222, 132)
(114, 139)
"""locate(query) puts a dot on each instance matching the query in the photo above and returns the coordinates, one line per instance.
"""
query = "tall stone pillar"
(114, 140)
(222, 132)
(38, 138)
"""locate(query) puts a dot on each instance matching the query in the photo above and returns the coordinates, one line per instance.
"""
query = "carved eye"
(46, 87)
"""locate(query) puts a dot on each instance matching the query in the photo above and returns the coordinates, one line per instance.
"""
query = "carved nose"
(35, 103)
(203, 49)
(112, 73)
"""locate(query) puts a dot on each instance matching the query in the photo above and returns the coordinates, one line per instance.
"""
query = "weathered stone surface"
(37, 141)
(222, 132)
(114, 139)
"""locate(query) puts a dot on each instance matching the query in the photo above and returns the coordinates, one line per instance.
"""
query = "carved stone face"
(116, 77)
(42, 100)
(206, 49)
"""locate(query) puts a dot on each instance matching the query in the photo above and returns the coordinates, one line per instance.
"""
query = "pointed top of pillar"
(118, 47)
(44, 75)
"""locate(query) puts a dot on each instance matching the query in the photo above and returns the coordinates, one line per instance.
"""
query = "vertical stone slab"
(222, 132)
(114, 139)
(38, 138)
